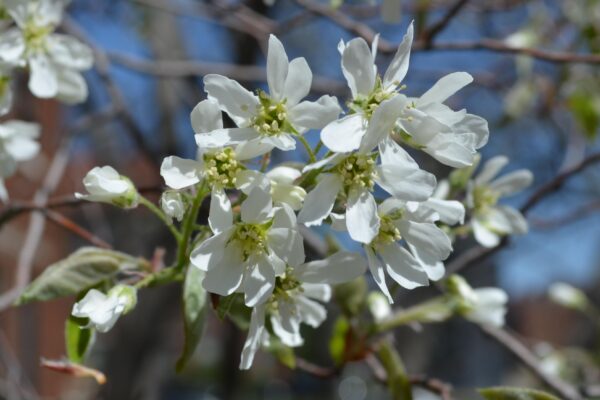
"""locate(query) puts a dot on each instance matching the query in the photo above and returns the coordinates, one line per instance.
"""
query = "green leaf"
(512, 393)
(194, 312)
(337, 343)
(87, 267)
(586, 111)
(78, 339)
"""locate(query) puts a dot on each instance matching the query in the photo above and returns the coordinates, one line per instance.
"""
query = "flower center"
(484, 198)
(388, 232)
(35, 36)
(222, 167)
(252, 238)
(368, 104)
(286, 287)
(271, 118)
(357, 170)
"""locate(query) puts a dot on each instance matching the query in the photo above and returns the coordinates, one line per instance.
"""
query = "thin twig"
(429, 34)
(75, 228)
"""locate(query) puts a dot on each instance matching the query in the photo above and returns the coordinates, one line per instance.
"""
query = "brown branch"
(315, 370)
(429, 34)
(532, 362)
(75, 228)
(568, 218)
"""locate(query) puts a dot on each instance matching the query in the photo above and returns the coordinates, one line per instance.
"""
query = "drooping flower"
(17, 143)
(248, 255)
(484, 306)
(408, 245)
(103, 310)
(54, 60)
(172, 204)
(353, 177)
(270, 119)
(491, 221)
(106, 185)
(295, 301)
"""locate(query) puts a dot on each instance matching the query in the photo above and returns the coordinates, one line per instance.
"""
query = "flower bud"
(104, 184)
(568, 296)
(172, 204)
(379, 306)
(103, 310)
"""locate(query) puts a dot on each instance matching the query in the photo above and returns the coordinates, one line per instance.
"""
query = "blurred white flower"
(295, 301)
(269, 119)
(490, 221)
(248, 255)
(18, 142)
(103, 310)
(485, 306)
(104, 184)
(568, 296)
(54, 60)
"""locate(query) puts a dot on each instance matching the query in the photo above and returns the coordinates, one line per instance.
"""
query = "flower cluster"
(366, 184)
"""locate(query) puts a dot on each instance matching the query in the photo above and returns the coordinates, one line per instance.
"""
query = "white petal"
(226, 275)
(206, 117)
(208, 253)
(259, 281)
(491, 169)
(483, 235)
(297, 82)
(43, 81)
(319, 201)
(403, 267)
(224, 137)
(513, 182)
(362, 219)
(251, 149)
(69, 52)
(72, 88)
(220, 216)
(315, 114)
(287, 244)
(445, 87)
(393, 154)
(180, 173)
(257, 207)
(317, 291)
(341, 267)
(449, 211)
(239, 103)
(430, 242)
(517, 221)
(345, 134)
(249, 179)
(333, 159)
(399, 65)
(255, 332)
(406, 183)
(448, 149)
(382, 121)
(378, 272)
(284, 174)
(277, 67)
(311, 312)
(357, 66)
(283, 141)
(12, 46)
(284, 217)
(286, 324)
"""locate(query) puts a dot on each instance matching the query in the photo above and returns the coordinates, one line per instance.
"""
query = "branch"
(429, 34)
(573, 216)
(75, 228)
(532, 362)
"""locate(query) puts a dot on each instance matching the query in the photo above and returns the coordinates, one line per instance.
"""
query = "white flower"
(248, 255)
(437, 208)
(568, 296)
(54, 60)
(6, 93)
(354, 176)
(293, 300)
(271, 119)
(379, 306)
(104, 184)
(103, 310)
(281, 181)
(17, 143)
(415, 263)
(376, 103)
(490, 221)
(485, 306)
(172, 204)
(220, 167)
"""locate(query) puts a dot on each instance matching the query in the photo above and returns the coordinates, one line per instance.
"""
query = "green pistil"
(252, 238)
(484, 198)
(368, 104)
(271, 119)
(35, 36)
(222, 168)
(285, 287)
(357, 170)
(388, 232)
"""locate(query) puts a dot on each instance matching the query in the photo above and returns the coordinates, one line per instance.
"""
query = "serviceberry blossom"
(18, 142)
(295, 300)
(55, 61)
(248, 255)
(106, 185)
(269, 119)
(352, 177)
(484, 306)
(103, 310)
(173, 204)
(491, 221)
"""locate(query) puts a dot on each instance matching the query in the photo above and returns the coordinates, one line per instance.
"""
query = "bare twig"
(575, 215)
(75, 228)
(429, 34)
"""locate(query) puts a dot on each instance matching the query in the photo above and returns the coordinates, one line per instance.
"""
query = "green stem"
(311, 155)
(397, 379)
(318, 147)
(160, 214)
(188, 227)
(163, 276)
(434, 310)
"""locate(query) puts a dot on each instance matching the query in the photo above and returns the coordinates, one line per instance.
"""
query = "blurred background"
(536, 70)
